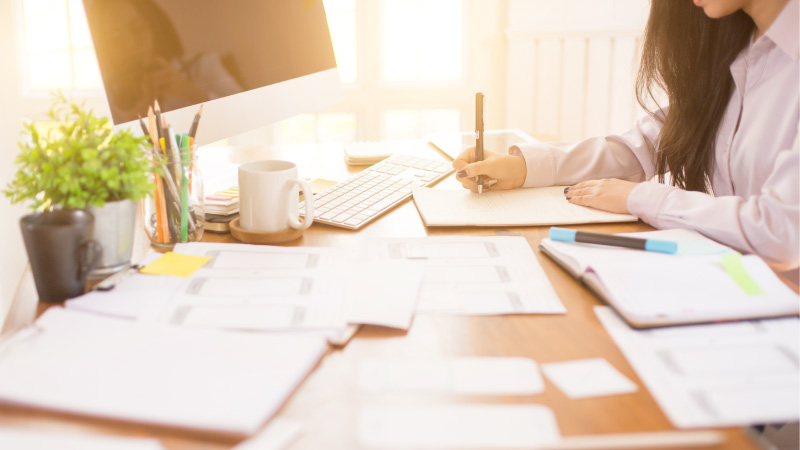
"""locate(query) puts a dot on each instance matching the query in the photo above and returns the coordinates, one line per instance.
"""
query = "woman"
(728, 140)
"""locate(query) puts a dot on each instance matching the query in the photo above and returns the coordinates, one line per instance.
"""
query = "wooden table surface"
(328, 402)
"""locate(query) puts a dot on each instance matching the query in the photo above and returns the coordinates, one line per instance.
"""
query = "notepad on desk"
(516, 207)
(209, 380)
(703, 282)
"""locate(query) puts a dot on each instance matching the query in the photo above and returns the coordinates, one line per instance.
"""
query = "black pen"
(479, 135)
(144, 127)
(195, 123)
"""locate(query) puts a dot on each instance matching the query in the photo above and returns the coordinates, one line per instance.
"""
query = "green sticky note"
(176, 264)
(732, 263)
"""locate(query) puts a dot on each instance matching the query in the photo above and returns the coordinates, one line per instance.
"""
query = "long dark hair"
(688, 55)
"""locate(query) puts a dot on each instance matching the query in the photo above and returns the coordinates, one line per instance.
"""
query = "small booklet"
(515, 207)
(704, 282)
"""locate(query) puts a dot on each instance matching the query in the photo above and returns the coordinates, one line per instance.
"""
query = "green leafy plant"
(80, 162)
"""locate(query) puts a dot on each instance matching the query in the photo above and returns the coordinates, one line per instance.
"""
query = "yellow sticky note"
(176, 264)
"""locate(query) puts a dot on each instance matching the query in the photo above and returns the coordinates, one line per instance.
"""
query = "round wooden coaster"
(263, 237)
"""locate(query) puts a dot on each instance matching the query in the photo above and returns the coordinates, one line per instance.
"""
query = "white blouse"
(754, 206)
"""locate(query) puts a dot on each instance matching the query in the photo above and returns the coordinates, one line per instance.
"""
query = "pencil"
(161, 206)
(159, 124)
(195, 123)
(144, 127)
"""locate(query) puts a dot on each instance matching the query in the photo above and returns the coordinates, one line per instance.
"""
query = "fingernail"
(461, 173)
(566, 189)
(569, 198)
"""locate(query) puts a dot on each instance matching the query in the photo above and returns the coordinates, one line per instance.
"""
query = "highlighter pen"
(479, 135)
(652, 245)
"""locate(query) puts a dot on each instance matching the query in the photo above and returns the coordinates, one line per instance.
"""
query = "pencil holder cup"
(176, 210)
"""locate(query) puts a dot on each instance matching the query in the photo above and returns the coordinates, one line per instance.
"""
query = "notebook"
(703, 282)
(210, 380)
(515, 207)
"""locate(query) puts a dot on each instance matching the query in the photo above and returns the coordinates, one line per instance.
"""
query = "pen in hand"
(479, 135)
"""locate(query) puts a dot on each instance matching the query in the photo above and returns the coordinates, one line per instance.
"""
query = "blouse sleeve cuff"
(645, 200)
(540, 162)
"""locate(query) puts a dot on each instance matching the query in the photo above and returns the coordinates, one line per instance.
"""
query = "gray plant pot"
(113, 230)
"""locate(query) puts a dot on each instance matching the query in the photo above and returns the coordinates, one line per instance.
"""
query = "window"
(58, 47)
(403, 64)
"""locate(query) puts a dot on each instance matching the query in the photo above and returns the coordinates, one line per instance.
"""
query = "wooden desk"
(328, 402)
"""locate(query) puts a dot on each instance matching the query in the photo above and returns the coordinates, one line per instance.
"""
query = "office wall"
(12, 252)
(571, 66)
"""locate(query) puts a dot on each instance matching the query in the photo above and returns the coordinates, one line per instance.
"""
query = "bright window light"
(58, 46)
(342, 24)
(409, 124)
(422, 40)
(313, 128)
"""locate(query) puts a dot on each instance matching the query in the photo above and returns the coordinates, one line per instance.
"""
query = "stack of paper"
(198, 379)
(367, 153)
(730, 374)
(223, 203)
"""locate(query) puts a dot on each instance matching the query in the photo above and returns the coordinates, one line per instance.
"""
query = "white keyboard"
(368, 194)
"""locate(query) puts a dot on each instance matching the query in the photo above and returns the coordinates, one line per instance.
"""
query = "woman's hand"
(608, 194)
(499, 171)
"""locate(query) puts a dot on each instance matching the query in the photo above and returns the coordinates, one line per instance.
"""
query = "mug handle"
(90, 253)
(308, 197)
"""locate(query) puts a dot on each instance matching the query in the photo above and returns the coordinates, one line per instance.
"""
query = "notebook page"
(681, 289)
(532, 206)
(190, 378)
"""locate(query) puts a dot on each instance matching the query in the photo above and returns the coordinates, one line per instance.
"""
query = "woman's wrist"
(520, 170)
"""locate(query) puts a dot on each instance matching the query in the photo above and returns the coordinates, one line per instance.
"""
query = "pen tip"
(149, 110)
(480, 189)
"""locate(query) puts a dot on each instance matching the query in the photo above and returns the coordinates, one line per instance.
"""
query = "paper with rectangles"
(727, 374)
(473, 275)
(457, 426)
(29, 439)
(461, 376)
(497, 208)
(210, 380)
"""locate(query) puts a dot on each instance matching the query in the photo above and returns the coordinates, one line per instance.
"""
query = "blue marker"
(652, 245)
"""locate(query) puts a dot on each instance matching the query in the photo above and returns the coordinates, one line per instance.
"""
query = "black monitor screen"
(185, 52)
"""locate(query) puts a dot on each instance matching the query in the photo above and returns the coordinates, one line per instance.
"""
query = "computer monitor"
(248, 62)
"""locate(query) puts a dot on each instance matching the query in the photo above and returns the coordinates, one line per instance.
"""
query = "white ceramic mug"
(268, 197)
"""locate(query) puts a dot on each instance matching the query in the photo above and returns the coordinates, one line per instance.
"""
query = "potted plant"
(82, 163)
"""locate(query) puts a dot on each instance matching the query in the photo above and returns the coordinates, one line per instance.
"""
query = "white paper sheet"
(17, 439)
(260, 288)
(532, 206)
(587, 378)
(278, 435)
(457, 426)
(174, 376)
(728, 374)
(473, 275)
(464, 376)
(383, 293)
